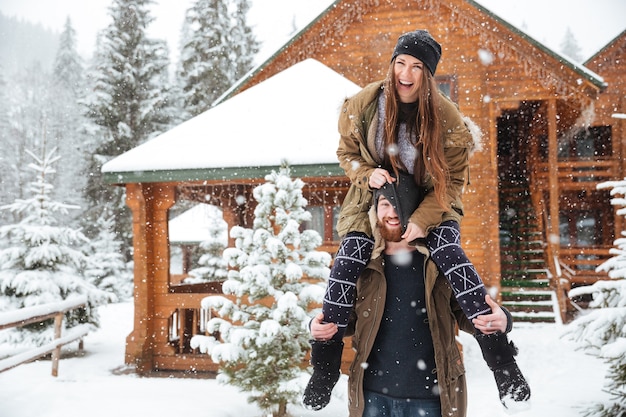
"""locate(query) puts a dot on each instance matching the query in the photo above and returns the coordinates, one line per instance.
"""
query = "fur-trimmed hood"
(476, 133)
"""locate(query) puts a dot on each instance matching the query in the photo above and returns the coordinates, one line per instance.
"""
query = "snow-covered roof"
(291, 117)
(193, 225)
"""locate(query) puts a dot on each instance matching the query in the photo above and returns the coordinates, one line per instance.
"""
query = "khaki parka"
(443, 313)
(358, 158)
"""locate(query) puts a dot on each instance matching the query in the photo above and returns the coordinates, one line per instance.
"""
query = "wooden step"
(525, 283)
(528, 304)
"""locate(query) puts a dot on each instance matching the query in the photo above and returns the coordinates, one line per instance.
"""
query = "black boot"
(499, 354)
(326, 362)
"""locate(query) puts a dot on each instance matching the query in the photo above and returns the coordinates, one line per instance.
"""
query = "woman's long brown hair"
(430, 158)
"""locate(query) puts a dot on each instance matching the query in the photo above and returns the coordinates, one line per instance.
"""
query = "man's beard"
(390, 235)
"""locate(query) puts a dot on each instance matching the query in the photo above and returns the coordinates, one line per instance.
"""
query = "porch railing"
(577, 174)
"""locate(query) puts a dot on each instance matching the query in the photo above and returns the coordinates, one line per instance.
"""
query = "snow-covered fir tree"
(569, 46)
(602, 332)
(217, 48)
(41, 262)
(276, 272)
(204, 65)
(68, 66)
(212, 264)
(4, 134)
(27, 106)
(66, 119)
(128, 105)
(245, 45)
(106, 268)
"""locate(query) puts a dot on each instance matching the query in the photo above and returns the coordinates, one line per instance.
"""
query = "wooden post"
(159, 199)
(231, 219)
(56, 353)
(554, 238)
(553, 160)
(137, 352)
(492, 277)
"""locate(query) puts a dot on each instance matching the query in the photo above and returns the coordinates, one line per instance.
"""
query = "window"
(591, 143)
(317, 220)
(336, 210)
(447, 85)
(580, 228)
(323, 221)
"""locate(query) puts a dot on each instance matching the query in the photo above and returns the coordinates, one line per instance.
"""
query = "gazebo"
(218, 157)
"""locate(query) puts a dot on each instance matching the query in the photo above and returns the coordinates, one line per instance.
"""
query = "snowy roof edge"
(608, 44)
(220, 174)
(244, 80)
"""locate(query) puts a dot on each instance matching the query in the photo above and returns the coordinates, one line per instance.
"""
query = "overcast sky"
(90, 16)
(593, 22)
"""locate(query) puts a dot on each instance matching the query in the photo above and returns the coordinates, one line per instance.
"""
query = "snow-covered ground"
(563, 381)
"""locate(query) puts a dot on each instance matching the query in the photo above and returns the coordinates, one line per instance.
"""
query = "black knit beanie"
(404, 195)
(419, 44)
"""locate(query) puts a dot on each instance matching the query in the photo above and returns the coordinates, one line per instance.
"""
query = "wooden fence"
(40, 313)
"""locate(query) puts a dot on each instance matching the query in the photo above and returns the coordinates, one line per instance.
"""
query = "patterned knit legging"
(443, 243)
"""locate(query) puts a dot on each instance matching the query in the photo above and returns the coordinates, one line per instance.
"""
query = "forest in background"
(63, 231)
(23, 43)
(52, 95)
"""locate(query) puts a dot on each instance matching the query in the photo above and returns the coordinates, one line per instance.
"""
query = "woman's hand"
(491, 323)
(379, 177)
(322, 331)
(413, 232)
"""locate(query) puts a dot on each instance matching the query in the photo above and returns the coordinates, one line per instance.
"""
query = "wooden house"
(531, 201)
(610, 117)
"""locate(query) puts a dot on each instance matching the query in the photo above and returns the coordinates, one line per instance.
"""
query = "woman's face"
(408, 71)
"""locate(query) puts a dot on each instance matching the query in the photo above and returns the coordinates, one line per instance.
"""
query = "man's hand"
(491, 323)
(379, 177)
(413, 232)
(320, 330)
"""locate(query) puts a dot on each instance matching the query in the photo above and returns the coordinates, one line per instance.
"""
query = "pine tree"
(106, 268)
(245, 45)
(40, 262)
(603, 331)
(204, 60)
(218, 48)
(26, 106)
(569, 46)
(66, 117)
(4, 137)
(68, 67)
(129, 103)
(276, 273)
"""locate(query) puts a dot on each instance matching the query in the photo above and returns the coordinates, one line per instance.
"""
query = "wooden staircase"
(525, 284)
